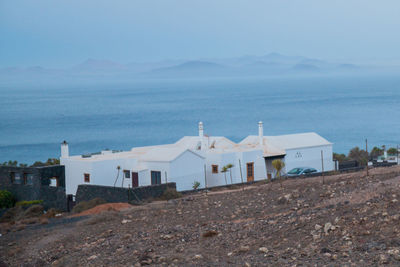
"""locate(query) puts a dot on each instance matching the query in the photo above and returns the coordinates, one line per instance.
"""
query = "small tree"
(339, 157)
(375, 152)
(392, 151)
(224, 170)
(229, 167)
(278, 166)
(359, 155)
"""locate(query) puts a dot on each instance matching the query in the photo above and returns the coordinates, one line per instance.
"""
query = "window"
(214, 168)
(28, 178)
(86, 177)
(53, 182)
(127, 174)
(155, 177)
(17, 178)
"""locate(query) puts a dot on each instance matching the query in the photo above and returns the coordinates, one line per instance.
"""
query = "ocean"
(35, 118)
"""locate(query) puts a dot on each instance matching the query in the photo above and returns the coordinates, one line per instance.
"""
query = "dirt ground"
(350, 220)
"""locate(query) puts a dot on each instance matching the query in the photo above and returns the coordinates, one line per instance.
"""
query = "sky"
(66, 32)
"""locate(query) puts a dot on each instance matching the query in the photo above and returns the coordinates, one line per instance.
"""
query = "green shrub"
(28, 202)
(170, 193)
(85, 205)
(196, 185)
(7, 200)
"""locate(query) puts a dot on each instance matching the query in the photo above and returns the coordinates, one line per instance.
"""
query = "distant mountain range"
(271, 64)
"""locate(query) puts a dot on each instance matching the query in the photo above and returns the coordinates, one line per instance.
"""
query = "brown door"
(135, 179)
(250, 171)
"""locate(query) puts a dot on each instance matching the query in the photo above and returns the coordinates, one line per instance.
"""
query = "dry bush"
(34, 211)
(210, 233)
(85, 205)
(170, 193)
(12, 214)
(51, 213)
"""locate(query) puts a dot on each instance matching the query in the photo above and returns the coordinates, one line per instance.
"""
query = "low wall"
(118, 194)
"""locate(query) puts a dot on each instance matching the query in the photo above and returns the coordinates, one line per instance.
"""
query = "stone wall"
(117, 194)
(39, 189)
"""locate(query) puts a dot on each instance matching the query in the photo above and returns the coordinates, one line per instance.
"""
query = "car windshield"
(295, 171)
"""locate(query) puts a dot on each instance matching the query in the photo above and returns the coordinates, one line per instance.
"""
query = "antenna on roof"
(212, 144)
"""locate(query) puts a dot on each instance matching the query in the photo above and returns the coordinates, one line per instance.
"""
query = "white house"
(246, 159)
(296, 150)
(139, 167)
(198, 158)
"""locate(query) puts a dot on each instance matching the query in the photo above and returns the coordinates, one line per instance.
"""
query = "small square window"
(17, 178)
(28, 178)
(127, 174)
(86, 177)
(214, 168)
(53, 182)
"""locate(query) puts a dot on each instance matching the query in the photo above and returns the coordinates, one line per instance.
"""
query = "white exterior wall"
(101, 172)
(145, 175)
(255, 156)
(222, 159)
(105, 172)
(185, 170)
(310, 157)
(74, 171)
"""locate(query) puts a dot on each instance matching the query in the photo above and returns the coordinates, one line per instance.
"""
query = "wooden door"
(250, 171)
(135, 179)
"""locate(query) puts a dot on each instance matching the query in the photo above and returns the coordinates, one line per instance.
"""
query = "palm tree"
(229, 167)
(278, 165)
(224, 170)
(116, 179)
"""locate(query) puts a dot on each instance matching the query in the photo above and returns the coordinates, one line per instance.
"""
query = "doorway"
(135, 179)
(250, 171)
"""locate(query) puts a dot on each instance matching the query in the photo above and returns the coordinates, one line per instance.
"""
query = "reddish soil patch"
(103, 207)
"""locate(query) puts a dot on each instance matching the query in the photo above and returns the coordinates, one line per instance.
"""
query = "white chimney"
(201, 136)
(260, 133)
(201, 130)
(64, 149)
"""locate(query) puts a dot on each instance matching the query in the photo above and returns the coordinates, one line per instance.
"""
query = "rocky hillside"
(350, 219)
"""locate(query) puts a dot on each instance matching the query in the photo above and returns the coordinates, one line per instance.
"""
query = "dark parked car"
(301, 171)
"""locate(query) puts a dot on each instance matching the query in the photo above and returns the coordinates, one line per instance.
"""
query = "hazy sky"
(62, 33)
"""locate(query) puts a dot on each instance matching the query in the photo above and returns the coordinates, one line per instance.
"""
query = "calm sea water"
(35, 119)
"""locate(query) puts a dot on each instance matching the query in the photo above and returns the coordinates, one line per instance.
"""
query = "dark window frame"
(86, 177)
(125, 172)
(214, 168)
(155, 177)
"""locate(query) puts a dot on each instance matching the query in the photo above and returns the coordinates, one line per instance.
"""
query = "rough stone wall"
(118, 194)
(53, 197)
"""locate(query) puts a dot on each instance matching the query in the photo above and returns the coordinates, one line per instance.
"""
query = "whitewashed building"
(246, 159)
(139, 167)
(198, 158)
(296, 150)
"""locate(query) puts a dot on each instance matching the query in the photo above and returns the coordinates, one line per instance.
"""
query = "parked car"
(301, 171)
